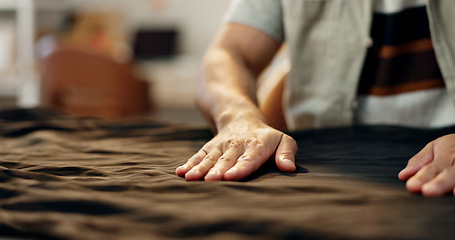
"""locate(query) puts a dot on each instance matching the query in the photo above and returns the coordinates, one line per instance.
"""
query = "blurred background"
(105, 58)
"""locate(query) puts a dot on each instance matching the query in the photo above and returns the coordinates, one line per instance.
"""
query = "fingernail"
(288, 162)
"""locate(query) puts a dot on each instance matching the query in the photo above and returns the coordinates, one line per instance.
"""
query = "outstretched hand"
(239, 150)
(432, 171)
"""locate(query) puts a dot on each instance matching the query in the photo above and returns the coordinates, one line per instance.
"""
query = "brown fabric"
(66, 178)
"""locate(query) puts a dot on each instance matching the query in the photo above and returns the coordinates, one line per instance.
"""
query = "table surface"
(67, 178)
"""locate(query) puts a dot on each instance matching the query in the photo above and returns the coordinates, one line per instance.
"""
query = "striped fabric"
(401, 75)
(402, 57)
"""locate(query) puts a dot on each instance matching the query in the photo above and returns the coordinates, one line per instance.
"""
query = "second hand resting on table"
(430, 172)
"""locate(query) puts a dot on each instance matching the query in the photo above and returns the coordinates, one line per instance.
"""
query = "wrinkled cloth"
(67, 178)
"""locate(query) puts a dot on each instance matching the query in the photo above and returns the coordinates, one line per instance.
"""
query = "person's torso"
(401, 83)
(328, 42)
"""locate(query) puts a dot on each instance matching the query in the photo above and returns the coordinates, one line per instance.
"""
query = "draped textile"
(67, 178)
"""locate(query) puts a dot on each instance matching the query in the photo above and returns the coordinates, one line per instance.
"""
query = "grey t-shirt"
(264, 15)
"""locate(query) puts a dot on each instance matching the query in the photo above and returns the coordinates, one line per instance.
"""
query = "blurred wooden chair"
(85, 84)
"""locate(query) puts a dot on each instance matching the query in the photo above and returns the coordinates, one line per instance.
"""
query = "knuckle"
(217, 148)
(195, 168)
(246, 159)
(426, 168)
(199, 155)
(433, 142)
(210, 158)
(224, 159)
(254, 143)
(233, 143)
(430, 168)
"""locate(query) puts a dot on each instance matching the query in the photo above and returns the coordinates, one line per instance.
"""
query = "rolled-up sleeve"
(263, 15)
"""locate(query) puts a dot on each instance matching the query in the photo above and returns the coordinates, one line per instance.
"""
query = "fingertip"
(213, 175)
(193, 175)
(285, 154)
(180, 171)
(403, 175)
(286, 165)
(408, 172)
(414, 185)
(431, 190)
(232, 174)
(229, 175)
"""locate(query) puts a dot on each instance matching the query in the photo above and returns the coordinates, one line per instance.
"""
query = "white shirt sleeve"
(263, 15)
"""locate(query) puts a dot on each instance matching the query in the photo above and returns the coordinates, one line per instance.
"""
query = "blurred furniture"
(100, 31)
(24, 28)
(85, 84)
(174, 80)
(24, 54)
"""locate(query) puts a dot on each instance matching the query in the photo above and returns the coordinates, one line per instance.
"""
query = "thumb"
(421, 159)
(285, 154)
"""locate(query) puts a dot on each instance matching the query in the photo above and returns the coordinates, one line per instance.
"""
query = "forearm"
(227, 96)
(227, 91)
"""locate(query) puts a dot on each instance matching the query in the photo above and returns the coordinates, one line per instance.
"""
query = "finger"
(428, 172)
(200, 170)
(285, 154)
(224, 163)
(421, 159)
(440, 185)
(246, 164)
(193, 161)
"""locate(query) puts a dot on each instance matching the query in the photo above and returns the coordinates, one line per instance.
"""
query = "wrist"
(239, 118)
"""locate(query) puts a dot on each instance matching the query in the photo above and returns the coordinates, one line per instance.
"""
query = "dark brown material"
(65, 178)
